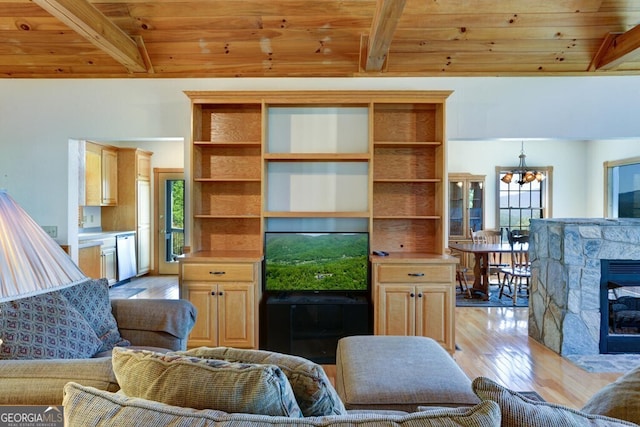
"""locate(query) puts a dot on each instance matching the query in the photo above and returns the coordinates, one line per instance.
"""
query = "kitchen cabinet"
(89, 261)
(466, 210)
(133, 211)
(100, 182)
(415, 297)
(108, 262)
(226, 295)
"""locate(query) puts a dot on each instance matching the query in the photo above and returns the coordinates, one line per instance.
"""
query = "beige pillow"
(87, 406)
(620, 399)
(203, 383)
(518, 411)
(311, 386)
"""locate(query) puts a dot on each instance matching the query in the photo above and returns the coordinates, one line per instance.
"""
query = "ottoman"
(399, 373)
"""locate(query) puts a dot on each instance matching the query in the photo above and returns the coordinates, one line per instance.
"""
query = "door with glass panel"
(170, 219)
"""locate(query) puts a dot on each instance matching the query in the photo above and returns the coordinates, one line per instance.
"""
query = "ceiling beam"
(385, 21)
(90, 23)
(617, 48)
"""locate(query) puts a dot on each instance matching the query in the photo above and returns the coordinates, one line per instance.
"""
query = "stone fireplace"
(566, 254)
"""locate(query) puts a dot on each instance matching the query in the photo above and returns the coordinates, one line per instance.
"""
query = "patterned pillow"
(45, 327)
(519, 411)
(313, 390)
(204, 384)
(91, 299)
(618, 399)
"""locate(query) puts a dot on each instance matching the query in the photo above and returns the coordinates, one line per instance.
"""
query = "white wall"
(38, 117)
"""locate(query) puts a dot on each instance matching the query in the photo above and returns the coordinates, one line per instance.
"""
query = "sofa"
(232, 387)
(69, 334)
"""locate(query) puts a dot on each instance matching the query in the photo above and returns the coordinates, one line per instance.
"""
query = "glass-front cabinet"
(466, 205)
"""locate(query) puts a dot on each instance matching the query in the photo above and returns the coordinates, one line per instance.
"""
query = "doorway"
(169, 218)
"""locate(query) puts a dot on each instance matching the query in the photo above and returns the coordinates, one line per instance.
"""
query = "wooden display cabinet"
(466, 210)
(398, 194)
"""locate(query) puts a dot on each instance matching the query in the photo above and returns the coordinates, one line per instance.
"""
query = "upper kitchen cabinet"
(100, 172)
(133, 211)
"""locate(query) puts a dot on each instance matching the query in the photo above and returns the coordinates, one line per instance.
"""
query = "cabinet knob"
(217, 273)
(220, 293)
(213, 293)
(415, 274)
(412, 295)
(419, 295)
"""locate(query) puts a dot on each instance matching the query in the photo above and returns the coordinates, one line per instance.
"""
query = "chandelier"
(525, 175)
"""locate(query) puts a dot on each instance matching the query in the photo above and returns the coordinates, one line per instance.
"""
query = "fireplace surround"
(566, 266)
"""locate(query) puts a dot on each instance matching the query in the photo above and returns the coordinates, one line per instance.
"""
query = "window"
(517, 205)
(623, 188)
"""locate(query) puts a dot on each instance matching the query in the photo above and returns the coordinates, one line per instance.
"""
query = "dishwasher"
(126, 255)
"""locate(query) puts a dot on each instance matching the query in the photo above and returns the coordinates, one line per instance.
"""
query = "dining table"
(481, 252)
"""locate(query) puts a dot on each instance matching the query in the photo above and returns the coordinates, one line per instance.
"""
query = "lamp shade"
(31, 262)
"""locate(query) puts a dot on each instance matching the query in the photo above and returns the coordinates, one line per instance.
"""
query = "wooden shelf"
(429, 217)
(395, 140)
(404, 180)
(303, 157)
(406, 143)
(228, 143)
(316, 214)
(227, 180)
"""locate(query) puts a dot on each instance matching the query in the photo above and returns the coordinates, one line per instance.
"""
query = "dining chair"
(516, 276)
(461, 274)
(496, 263)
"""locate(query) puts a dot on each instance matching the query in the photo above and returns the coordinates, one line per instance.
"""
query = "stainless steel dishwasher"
(126, 255)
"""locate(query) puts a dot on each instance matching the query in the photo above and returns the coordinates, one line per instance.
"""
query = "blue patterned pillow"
(45, 327)
(91, 299)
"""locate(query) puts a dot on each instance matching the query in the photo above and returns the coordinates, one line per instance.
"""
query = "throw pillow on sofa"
(91, 299)
(204, 383)
(45, 326)
(518, 411)
(314, 392)
(87, 406)
(619, 399)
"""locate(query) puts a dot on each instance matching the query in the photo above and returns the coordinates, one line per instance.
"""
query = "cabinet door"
(109, 264)
(434, 313)
(109, 177)
(475, 204)
(89, 261)
(236, 315)
(204, 297)
(396, 310)
(93, 175)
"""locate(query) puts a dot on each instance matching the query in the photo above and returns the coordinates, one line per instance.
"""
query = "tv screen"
(316, 262)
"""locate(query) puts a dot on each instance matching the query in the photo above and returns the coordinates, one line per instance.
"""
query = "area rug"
(621, 363)
(124, 293)
(494, 301)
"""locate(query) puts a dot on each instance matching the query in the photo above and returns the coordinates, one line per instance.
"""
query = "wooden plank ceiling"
(296, 38)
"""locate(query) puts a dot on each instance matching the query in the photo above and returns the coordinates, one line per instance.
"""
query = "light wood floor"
(493, 342)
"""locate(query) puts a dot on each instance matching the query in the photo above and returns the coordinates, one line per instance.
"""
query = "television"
(324, 262)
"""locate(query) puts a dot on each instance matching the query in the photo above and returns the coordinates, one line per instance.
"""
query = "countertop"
(95, 238)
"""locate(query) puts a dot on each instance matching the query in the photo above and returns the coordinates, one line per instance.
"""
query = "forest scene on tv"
(316, 262)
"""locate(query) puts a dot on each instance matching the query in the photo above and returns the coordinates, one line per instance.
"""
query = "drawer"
(218, 272)
(415, 273)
